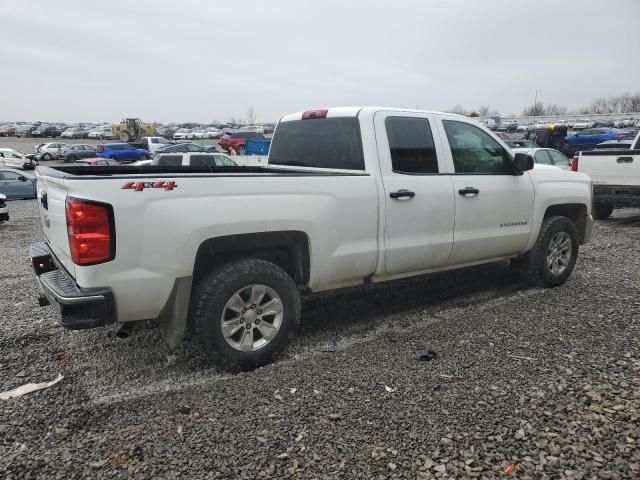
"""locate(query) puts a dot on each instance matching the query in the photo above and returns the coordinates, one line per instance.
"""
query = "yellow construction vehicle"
(132, 129)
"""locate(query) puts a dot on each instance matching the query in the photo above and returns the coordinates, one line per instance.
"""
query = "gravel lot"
(545, 379)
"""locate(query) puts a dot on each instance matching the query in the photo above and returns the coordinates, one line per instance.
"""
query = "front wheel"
(124, 137)
(601, 211)
(554, 256)
(46, 156)
(243, 313)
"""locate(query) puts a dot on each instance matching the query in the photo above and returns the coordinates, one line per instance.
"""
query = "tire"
(601, 211)
(209, 306)
(124, 137)
(46, 156)
(535, 267)
(144, 157)
(70, 158)
(241, 150)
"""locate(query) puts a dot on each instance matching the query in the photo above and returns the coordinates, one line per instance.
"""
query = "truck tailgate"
(52, 196)
(615, 167)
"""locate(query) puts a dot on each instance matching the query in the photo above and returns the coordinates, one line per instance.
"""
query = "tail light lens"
(91, 231)
(574, 163)
(308, 115)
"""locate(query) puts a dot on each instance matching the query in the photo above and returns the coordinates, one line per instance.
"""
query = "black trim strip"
(605, 152)
(126, 172)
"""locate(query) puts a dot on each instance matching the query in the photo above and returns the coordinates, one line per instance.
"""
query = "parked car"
(7, 131)
(237, 141)
(98, 162)
(17, 184)
(212, 133)
(502, 135)
(589, 138)
(49, 151)
(182, 147)
(151, 144)
(16, 159)
(122, 152)
(74, 132)
(547, 156)
(101, 133)
(183, 134)
(352, 196)
(615, 175)
(258, 146)
(607, 123)
(77, 152)
(582, 124)
(193, 158)
(510, 127)
(4, 210)
(25, 130)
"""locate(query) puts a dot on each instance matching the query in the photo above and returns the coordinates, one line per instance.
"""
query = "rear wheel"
(46, 156)
(70, 158)
(243, 313)
(554, 256)
(144, 157)
(601, 211)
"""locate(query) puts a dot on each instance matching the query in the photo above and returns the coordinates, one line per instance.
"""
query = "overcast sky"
(202, 60)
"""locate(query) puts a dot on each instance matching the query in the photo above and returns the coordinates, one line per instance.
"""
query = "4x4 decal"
(140, 186)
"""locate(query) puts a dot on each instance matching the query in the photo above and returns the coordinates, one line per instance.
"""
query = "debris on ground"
(427, 357)
(28, 388)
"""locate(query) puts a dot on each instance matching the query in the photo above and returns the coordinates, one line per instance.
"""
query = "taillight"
(91, 231)
(315, 114)
(574, 163)
(620, 135)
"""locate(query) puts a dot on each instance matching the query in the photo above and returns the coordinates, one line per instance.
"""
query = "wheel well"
(575, 211)
(287, 249)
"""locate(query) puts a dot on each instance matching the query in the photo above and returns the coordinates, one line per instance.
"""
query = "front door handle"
(400, 194)
(469, 192)
(625, 159)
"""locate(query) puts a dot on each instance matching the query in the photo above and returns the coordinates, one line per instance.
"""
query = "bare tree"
(534, 110)
(251, 115)
(483, 111)
(474, 114)
(458, 110)
(554, 109)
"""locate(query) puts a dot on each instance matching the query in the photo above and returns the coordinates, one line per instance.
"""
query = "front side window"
(474, 151)
(11, 176)
(224, 161)
(411, 145)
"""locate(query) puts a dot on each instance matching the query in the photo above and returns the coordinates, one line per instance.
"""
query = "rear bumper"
(78, 308)
(617, 195)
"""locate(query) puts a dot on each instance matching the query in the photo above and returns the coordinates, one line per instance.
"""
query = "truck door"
(494, 208)
(418, 197)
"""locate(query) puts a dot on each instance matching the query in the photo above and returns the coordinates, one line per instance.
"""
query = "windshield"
(319, 143)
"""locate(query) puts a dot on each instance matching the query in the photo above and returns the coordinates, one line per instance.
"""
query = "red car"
(7, 131)
(98, 162)
(237, 141)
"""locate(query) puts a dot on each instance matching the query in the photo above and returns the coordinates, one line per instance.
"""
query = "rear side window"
(320, 143)
(411, 145)
(203, 160)
(169, 160)
(558, 159)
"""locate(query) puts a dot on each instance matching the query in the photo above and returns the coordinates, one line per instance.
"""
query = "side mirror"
(23, 179)
(521, 163)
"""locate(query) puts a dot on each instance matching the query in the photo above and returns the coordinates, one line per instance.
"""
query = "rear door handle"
(468, 192)
(402, 194)
(625, 159)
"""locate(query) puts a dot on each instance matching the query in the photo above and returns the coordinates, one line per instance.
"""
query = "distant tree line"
(625, 103)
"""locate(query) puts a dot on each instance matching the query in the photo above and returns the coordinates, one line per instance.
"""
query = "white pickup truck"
(615, 174)
(350, 196)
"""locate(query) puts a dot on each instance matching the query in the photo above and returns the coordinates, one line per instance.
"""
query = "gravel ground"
(542, 383)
